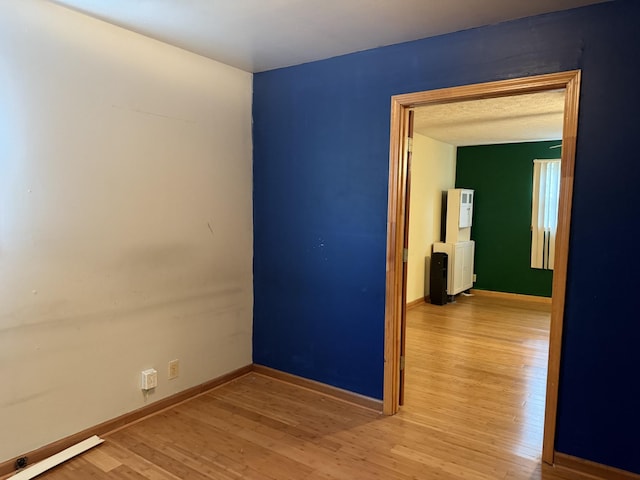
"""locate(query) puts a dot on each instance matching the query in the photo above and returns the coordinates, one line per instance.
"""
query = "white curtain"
(544, 212)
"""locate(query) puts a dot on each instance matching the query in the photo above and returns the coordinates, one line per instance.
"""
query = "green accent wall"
(502, 177)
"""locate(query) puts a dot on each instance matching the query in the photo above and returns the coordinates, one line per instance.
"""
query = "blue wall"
(321, 141)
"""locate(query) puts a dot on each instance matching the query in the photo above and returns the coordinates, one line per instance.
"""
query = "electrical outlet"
(174, 369)
(149, 379)
(475, 277)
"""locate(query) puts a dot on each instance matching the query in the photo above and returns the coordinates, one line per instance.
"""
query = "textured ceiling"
(258, 35)
(522, 118)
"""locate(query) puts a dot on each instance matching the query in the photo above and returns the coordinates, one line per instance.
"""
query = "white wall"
(125, 221)
(433, 169)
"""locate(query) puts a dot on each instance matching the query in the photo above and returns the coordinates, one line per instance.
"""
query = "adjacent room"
(474, 347)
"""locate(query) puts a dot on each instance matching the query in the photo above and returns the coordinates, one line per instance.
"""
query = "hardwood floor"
(476, 375)
(474, 406)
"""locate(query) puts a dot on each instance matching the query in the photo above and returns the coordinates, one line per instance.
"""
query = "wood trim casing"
(323, 388)
(395, 230)
(558, 290)
(400, 104)
(586, 469)
(8, 467)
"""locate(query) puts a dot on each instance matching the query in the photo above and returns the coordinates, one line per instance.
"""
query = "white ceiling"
(522, 118)
(259, 35)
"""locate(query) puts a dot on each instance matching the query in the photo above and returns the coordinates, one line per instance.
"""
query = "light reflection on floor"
(476, 370)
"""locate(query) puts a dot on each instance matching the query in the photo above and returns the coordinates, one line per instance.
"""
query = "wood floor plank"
(100, 458)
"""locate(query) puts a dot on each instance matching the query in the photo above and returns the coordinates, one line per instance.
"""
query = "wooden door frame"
(400, 104)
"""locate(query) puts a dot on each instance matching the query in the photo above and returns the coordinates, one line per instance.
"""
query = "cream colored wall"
(125, 221)
(433, 169)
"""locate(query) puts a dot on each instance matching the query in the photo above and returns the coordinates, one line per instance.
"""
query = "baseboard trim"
(39, 454)
(581, 469)
(339, 393)
(416, 302)
(518, 296)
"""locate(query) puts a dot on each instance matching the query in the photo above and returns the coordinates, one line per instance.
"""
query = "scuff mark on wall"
(50, 315)
(26, 398)
(153, 114)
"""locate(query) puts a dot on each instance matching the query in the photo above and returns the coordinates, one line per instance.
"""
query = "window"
(544, 212)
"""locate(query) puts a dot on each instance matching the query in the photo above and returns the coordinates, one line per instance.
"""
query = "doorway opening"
(395, 308)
